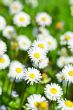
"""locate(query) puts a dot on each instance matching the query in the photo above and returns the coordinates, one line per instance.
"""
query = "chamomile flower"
(9, 32)
(15, 7)
(23, 42)
(66, 37)
(3, 47)
(53, 91)
(2, 22)
(65, 104)
(60, 76)
(68, 71)
(70, 44)
(7, 2)
(16, 70)
(4, 61)
(36, 54)
(21, 19)
(41, 44)
(36, 102)
(52, 43)
(43, 19)
(32, 75)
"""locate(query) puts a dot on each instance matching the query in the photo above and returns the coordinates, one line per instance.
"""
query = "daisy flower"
(21, 19)
(3, 47)
(16, 70)
(43, 19)
(23, 42)
(52, 43)
(4, 61)
(68, 71)
(9, 32)
(36, 102)
(53, 91)
(32, 3)
(2, 22)
(60, 76)
(41, 44)
(65, 104)
(36, 54)
(32, 75)
(15, 7)
(66, 37)
(7, 2)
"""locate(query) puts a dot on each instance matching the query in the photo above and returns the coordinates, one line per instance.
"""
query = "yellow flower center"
(49, 42)
(2, 60)
(22, 19)
(41, 45)
(24, 43)
(43, 19)
(53, 90)
(36, 104)
(18, 70)
(43, 104)
(32, 75)
(68, 103)
(36, 55)
(70, 73)
(15, 7)
(67, 37)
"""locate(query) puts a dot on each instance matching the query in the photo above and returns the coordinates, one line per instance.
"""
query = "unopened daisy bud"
(53, 91)
(45, 78)
(14, 45)
(9, 32)
(2, 22)
(38, 102)
(43, 19)
(3, 47)
(21, 19)
(32, 75)
(15, 7)
(59, 25)
(4, 61)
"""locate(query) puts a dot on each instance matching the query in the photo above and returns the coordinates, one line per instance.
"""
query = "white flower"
(32, 3)
(21, 19)
(52, 43)
(65, 104)
(15, 7)
(23, 42)
(68, 72)
(3, 107)
(2, 22)
(9, 32)
(4, 61)
(66, 37)
(36, 102)
(53, 91)
(43, 19)
(60, 76)
(7, 2)
(3, 47)
(14, 94)
(16, 70)
(32, 75)
(70, 44)
(36, 54)
(41, 44)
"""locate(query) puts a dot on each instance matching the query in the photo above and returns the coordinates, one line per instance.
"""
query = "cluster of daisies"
(37, 51)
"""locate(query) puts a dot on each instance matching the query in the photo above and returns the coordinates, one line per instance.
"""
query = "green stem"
(67, 89)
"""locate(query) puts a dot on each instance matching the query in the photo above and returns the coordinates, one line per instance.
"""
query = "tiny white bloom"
(21, 19)
(15, 7)
(68, 72)
(4, 61)
(36, 54)
(60, 76)
(23, 42)
(35, 102)
(9, 32)
(53, 91)
(14, 94)
(2, 22)
(32, 75)
(32, 3)
(16, 70)
(65, 104)
(43, 19)
(3, 47)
